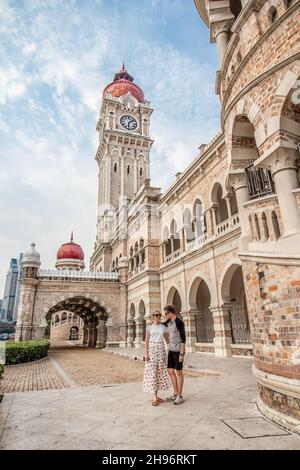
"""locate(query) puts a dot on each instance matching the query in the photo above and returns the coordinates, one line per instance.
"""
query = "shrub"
(26, 351)
(1, 370)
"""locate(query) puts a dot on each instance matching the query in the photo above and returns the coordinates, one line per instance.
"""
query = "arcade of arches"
(222, 329)
(78, 318)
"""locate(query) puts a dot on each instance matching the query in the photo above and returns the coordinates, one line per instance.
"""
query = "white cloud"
(55, 62)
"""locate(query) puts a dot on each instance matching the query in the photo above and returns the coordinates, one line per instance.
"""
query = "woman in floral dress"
(156, 375)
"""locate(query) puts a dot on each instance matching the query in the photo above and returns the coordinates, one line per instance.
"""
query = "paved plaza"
(219, 410)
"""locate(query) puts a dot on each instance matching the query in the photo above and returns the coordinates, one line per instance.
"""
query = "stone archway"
(200, 302)
(173, 298)
(233, 295)
(93, 315)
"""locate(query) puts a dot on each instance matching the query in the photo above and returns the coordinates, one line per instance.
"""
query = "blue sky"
(56, 56)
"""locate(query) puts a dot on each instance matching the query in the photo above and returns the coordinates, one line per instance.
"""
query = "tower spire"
(72, 236)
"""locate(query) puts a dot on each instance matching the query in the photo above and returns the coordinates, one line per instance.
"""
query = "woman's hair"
(153, 314)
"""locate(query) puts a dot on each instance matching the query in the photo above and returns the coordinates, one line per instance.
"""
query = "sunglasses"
(157, 315)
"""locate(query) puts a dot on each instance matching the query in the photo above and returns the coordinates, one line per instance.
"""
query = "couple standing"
(156, 375)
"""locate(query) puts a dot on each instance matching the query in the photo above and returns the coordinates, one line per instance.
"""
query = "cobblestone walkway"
(89, 366)
(39, 375)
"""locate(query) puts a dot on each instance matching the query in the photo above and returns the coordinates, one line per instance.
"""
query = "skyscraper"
(17, 297)
(9, 297)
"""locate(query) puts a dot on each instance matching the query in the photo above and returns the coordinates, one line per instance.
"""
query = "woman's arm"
(147, 358)
(166, 336)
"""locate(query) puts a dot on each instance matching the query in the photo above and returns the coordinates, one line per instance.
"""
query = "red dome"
(122, 84)
(122, 87)
(70, 250)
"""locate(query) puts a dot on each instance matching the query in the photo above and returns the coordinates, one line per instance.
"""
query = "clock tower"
(123, 151)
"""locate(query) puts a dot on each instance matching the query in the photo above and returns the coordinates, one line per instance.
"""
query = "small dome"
(123, 84)
(70, 256)
(70, 250)
(31, 257)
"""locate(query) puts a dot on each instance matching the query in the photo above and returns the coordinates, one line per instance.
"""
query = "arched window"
(142, 243)
(275, 224)
(189, 227)
(175, 235)
(115, 167)
(128, 169)
(265, 226)
(141, 171)
(199, 217)
(258, 237)
(288, 3)
(273, 15)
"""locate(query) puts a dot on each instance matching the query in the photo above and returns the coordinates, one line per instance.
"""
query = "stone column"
(122, 188)
(172, 244)
(100, 343)
(222, 40)
(214, 209)
(139, 332)
(90, 335)
(222, 327)
(190, 329)
(183, 241)
(135, 175)
(285, 176)
(220, 21)
(123, 277)
(85, 335)
(140, 258)
(237, 178)
(227, 199)
(209, 223)
(107, 179)
(129, 341)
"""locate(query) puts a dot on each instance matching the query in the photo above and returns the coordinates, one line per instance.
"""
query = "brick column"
(90, 336)
(222, 327)
(85, 335)
(100, 328)
(129, 341)
(139, 333)
(190, 329)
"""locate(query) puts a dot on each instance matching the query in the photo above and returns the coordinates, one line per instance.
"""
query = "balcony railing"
(173, 256)
(199, 242)
(259, 182)
(227, 225)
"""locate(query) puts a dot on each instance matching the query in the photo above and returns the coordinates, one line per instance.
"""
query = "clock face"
(128, 122)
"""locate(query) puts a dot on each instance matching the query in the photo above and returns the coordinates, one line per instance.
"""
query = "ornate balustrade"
(227, 225)
(69, 274)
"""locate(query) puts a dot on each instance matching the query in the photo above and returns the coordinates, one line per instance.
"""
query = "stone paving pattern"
(39, 375)
(120, 416)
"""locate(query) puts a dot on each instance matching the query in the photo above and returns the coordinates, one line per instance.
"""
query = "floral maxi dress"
(155, 374)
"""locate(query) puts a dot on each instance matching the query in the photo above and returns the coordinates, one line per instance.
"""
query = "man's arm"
(181, 329)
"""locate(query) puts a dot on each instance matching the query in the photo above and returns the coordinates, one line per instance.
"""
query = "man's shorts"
(173, 360)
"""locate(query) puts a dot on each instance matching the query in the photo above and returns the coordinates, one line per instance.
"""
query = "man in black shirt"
(176, 336)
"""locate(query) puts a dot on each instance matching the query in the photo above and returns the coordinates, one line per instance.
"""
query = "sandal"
(155, 402)
(160, 400)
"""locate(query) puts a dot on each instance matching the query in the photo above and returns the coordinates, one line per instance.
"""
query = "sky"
(56, 56)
